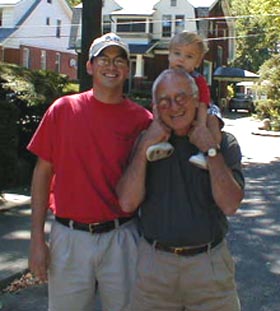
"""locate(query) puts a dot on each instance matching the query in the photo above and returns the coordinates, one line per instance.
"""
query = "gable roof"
(133, 5)
(6, 32)
(8, 2)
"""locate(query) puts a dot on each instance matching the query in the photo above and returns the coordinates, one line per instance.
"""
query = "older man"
(184, 262)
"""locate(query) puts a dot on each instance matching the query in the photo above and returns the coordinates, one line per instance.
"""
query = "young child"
(186, 51)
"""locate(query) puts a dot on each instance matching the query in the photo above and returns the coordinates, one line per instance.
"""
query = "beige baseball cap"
(109, 39)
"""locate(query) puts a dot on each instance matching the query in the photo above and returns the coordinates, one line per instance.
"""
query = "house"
(35, 34)
(148, 25)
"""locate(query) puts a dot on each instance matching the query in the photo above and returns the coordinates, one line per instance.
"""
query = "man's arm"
(39, 252)
(131, 187)
(226, 191)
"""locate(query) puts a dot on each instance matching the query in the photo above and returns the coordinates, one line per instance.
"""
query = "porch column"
(139, 75)
(139, 66)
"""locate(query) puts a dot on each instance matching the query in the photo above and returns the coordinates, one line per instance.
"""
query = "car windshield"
(241, 95)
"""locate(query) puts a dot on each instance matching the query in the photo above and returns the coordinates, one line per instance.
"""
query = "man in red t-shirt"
(84, 141)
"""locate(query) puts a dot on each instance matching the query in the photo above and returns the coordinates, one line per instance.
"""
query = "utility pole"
(91, 29)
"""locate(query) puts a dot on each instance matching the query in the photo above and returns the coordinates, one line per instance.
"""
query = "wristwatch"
(212, 152)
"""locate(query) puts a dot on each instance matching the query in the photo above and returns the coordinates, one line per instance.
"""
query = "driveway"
(255, 229)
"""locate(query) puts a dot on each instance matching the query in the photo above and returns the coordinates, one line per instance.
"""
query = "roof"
(9, 2)
(146, 7)
(234, 74)
(140, 48)
(6, 32)
(135, 7)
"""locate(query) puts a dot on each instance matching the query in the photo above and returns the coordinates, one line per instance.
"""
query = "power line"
(154, 21)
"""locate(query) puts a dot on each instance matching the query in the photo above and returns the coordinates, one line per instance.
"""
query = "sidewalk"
(14, 246)
(14, 236)
(15, 225)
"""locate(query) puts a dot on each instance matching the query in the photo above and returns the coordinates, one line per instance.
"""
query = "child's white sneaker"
(159, 151)
(199, 160)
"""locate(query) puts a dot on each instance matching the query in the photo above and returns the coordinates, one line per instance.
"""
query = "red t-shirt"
(203, 89)
(89, 143)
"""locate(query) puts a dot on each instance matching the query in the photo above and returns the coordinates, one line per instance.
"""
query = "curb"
(266, 133)
(7, 281)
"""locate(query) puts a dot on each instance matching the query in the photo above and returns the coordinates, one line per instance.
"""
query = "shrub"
(24, 95)
(8, 143)
(268, 108)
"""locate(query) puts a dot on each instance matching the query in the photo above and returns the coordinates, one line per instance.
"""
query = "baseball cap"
(109, 39)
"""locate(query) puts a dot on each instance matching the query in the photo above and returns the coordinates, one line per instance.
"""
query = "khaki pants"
(166, 281)
(79, 259)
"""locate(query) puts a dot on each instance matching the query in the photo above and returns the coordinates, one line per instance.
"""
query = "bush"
(8, 143)
(24, 95)
(268, 108)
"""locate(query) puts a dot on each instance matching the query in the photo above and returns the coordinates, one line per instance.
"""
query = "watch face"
(212, 152)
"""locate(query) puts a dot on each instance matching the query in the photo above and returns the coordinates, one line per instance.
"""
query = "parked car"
(241, 101)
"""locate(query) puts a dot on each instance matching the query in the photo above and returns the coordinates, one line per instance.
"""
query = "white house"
(35, 34)
(148, 25)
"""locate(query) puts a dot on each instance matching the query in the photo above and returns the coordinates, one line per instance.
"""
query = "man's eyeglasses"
(104, 61)
(180, 100)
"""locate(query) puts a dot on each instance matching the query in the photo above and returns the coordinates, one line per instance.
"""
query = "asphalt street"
(253, 237)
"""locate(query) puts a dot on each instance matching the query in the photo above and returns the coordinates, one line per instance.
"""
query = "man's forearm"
(226, 191)
(40, 197)
(131, 187)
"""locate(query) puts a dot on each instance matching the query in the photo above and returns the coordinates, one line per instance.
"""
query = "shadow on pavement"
(254, 239)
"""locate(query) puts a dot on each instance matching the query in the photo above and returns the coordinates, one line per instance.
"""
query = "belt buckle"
(178, 250)
(92, 227)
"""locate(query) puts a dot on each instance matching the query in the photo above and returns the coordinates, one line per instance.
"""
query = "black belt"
(98, 227)
(186, 250)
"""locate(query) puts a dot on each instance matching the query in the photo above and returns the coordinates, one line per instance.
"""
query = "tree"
(256, 30)
(270, 76)
(74, 2)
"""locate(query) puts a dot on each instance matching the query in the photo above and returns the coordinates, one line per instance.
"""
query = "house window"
(131, 25)
(43, 60)
(57, 62)
(58, 28)
(106, 24)
(179, 23)
(220, 53)
(151, 26)
(26, 58)
(173, 2)
(211, 27)
(48, 21)
(207, 71)
(166, 25)
(1, 18)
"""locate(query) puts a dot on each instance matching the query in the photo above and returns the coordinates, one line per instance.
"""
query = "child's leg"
(161, 150)
(215, 122)
(199, 159)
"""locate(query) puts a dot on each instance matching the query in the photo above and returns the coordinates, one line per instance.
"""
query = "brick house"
(35, 34)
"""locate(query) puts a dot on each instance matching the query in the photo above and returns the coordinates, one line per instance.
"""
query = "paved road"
(254, 230)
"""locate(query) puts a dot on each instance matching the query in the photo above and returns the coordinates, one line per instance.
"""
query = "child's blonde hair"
(185, 37)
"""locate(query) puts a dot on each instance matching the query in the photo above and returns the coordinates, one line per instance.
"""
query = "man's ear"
(89, 66)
